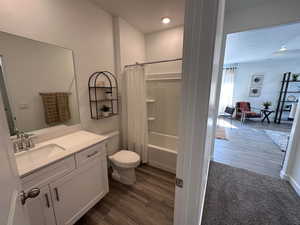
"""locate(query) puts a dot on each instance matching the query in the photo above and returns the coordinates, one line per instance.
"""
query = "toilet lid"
(125, 157)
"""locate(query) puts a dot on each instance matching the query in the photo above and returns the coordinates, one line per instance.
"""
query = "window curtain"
(227, 88)
(134, 111)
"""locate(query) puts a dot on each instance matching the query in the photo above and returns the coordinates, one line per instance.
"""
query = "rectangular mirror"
(37, 84)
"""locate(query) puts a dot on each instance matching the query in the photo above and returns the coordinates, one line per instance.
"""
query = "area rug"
(240, 197)
(221, 133)
(279, 138)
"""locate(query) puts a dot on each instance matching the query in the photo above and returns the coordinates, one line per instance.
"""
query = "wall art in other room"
(255, 92)
(257, 80)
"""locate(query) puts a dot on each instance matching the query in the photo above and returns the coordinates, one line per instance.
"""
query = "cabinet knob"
(33, 193)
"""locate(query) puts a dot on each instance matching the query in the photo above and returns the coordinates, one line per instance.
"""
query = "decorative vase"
(266, 107)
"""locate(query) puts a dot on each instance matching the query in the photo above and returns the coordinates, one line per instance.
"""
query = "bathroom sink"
(38, 156)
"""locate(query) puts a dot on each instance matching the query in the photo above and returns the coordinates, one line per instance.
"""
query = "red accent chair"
(244, 111)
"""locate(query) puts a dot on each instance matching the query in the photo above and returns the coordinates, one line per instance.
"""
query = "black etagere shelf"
(103, 95)
(283, 100)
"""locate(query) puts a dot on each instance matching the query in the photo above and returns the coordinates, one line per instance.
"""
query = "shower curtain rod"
(154, 62)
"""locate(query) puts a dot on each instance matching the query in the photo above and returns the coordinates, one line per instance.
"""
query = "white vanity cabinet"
(64, 198)
(40, 209)
(74, 194)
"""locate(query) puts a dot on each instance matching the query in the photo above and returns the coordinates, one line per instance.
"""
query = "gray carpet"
(240, 197)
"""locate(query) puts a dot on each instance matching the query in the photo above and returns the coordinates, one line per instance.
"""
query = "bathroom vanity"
(63, 169)
(71, 173)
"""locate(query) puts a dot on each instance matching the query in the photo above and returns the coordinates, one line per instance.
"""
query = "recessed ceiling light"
(165, 20)
(282, 49)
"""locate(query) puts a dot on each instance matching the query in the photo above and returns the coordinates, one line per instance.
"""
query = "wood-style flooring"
(150, 201)
(249, 147)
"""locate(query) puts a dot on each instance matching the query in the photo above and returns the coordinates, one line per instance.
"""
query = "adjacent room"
(259, 97)
(256, 130)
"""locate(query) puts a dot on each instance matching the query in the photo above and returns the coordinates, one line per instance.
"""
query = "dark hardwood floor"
(148, 202)
(249, 147)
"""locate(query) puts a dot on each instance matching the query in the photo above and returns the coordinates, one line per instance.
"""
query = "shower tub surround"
(162, 151)
(165, 90)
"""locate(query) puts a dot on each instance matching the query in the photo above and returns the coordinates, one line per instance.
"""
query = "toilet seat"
(125, 159)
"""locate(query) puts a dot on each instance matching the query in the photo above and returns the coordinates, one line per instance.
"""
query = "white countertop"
(71, 143)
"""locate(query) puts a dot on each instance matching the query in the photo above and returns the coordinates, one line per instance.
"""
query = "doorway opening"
(259, 97)
(256, 124)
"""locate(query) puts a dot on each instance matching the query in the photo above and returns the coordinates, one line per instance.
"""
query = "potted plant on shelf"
(295, 76)
(105, 111)
(267, 104)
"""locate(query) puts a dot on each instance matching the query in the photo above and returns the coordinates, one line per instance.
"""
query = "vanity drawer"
(90, 153)
(48, 173)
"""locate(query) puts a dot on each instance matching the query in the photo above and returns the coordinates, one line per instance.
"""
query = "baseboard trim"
(283, 175)
(291, 180)
(295, 185)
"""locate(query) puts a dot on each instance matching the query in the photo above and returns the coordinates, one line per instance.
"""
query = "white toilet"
(124, 163)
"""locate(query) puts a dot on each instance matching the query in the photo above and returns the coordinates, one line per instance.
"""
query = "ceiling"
(145, 15)
(232, 5)
(263, 44)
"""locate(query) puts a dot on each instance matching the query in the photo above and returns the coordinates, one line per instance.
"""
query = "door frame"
(202, 54)
(198, 120)
(17, 213)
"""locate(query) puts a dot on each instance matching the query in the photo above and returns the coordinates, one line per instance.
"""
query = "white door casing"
(218, 83)
(12, 211)
(201, 60)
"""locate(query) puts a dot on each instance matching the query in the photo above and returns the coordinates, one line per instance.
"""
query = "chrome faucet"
(24, 142)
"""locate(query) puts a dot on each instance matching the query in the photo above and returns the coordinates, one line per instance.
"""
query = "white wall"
(30, 68)
(78, 25)
(129, 45)
(167, 44)
(291, 167)
(165, 109)
(132, 44)
(129, 49)
(273, 71)
(294, 170)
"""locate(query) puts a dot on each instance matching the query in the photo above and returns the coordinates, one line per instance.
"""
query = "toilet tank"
(113, 143)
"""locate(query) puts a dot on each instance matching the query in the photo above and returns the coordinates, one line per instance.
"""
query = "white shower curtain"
(227, 87)
(134, 111)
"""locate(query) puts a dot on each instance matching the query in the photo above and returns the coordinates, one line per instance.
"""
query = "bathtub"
(162, 151)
